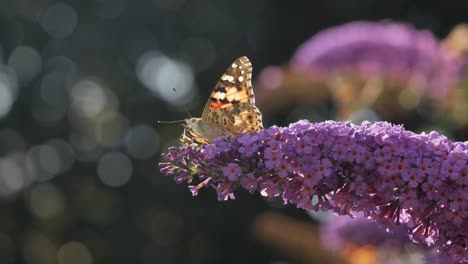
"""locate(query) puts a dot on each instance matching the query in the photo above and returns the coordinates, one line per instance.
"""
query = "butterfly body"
(230, 109)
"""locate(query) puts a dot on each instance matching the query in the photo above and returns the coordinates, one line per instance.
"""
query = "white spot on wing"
(219, 95)
(228, 78)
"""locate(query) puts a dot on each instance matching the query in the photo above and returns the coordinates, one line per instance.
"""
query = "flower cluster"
(389, 174)
(399, 51)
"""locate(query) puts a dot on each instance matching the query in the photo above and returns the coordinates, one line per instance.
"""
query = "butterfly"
(230, 110)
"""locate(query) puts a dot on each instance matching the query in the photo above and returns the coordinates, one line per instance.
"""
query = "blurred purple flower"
(380, 181)
(341, 232)
(382, 48)
(439, 259)
(338, 232)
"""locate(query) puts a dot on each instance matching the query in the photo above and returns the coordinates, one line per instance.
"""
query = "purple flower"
(249, 150)
(272, 158)
(232, 171)
(249, 182)
(397, 177)
(413, 177)
(399, 51)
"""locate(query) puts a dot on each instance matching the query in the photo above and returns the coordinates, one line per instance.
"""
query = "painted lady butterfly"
(230, 109)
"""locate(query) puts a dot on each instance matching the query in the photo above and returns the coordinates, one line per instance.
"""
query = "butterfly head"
(192, 122)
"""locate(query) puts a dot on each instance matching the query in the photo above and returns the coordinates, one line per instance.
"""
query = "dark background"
(145, 218)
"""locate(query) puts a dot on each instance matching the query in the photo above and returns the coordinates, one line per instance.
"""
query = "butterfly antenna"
(185, 106)
(170, 122)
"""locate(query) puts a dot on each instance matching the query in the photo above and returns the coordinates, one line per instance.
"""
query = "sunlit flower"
(383, 187)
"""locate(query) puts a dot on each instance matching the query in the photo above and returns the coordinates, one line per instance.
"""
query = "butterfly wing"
(232, 102)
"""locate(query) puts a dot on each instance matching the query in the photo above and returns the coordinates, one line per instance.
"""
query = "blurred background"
(83, 84)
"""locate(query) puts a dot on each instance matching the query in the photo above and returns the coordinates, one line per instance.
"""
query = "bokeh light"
(114, 169)
(49, 159)
(110, 129)
(64, 152)
(38, 248)
(74, 252)
(85, 146)
(89, 98)
(26, 62)
(42, 168)
(53, 89)
(8, 89)
(161, 75)
(12, 175)
(59, 20)
(46, 201)
(45, 113)
(141, 142)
